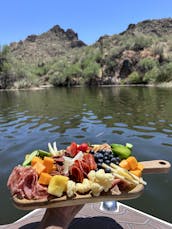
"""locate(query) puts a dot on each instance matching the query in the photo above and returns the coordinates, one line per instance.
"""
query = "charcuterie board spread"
(78, 174)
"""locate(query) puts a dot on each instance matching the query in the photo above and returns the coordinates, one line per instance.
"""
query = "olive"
(107, 170)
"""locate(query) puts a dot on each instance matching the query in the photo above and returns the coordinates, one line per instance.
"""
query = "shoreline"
(41, 87)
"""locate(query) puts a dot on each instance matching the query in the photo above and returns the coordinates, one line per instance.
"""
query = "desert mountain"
(53, 43)
(142, 54)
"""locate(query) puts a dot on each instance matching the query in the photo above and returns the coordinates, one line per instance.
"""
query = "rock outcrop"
(159, 27)
(42, 48)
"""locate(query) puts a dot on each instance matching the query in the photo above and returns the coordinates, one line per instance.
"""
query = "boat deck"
(127, 217)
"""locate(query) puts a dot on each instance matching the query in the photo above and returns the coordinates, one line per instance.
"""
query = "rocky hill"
(42, 48)
(142, 54)
(152, 27)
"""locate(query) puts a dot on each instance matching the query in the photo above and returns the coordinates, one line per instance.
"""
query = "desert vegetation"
(136, 56)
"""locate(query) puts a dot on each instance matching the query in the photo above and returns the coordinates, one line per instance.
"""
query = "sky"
(89, 18)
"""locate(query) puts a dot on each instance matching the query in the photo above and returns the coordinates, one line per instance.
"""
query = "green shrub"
(58, 65)
(91, 70)
(73, 70)
(115, 52)
(57, 79)
(4, 51)
(97, 55)
(6, 76)
(6, 67)
(141, 42)
(158, 49)
(147, 64)
(152, 75)
(165, 73)
(40, 70)
(91, 73)
(134, 78)
(13, 71)
(68, 76)
(94, 55)
(23, 83)
(110, 66)
(136, 42)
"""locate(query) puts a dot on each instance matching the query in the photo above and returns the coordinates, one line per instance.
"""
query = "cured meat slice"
(72, 149)
(81, 168)
(59, 164)
(89, 159)
(76, 174)
(23, 182)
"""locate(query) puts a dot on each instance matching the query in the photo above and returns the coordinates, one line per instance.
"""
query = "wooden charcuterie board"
(154, 166)
(79, 199)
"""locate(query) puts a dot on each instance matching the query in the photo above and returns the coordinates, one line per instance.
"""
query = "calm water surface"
(141, 116)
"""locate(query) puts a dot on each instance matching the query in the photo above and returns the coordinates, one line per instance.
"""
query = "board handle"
(156, 166)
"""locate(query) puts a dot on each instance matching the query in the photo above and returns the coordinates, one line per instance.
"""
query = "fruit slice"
(136, 172)
(132, 161)
(124, 164)
(140, 166)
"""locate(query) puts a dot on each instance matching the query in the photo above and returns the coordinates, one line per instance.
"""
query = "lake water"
(139, 115)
